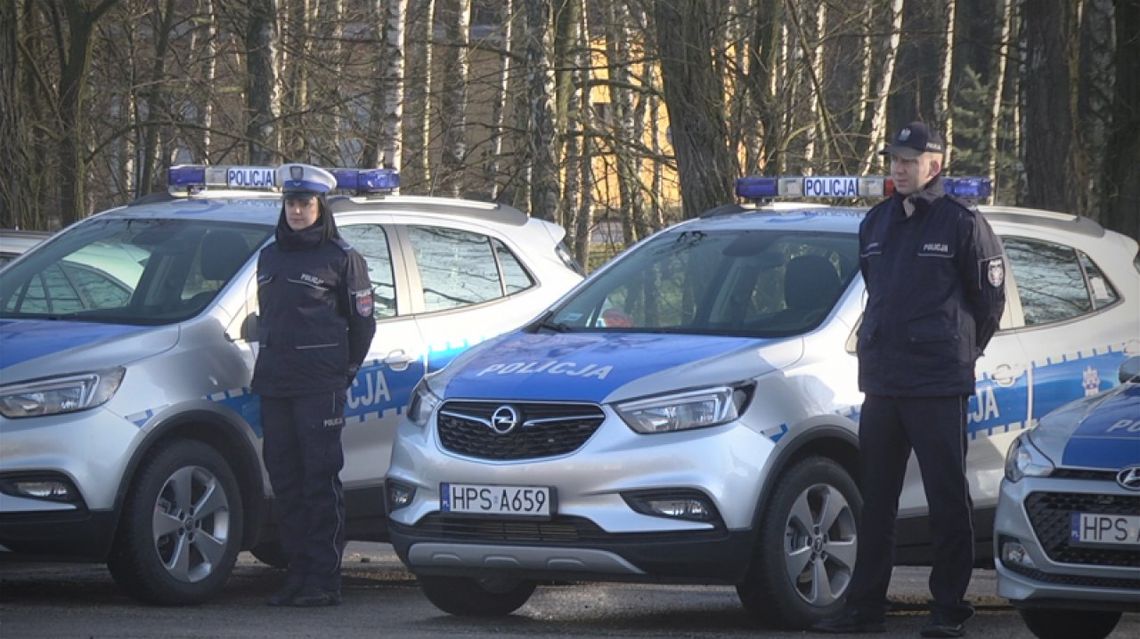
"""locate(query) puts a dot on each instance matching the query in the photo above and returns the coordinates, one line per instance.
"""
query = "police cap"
(913, 140)
(304, 178)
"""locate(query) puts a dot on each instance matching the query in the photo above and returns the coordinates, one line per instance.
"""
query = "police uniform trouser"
(935, 427)
(303, 454)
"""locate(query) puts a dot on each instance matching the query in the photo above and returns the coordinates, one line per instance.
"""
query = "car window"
(457, 268)
(1050, 281)
(129, 271)
(515, 277)
(760, 283)
(371, 242)
(1103, 293)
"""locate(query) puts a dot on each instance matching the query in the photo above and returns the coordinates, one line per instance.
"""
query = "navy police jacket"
(935, 294)
(316, 322)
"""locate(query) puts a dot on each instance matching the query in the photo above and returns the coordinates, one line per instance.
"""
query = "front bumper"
(1056, 574)
(595, 532)
(88, 450)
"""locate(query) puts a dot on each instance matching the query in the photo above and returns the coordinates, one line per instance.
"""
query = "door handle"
(398, 360)
(1005, 375)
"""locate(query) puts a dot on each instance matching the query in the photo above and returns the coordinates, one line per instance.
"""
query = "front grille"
(1074, 580)
(543, 429)
(1074, 473)
(559, 530)
(1050, 515)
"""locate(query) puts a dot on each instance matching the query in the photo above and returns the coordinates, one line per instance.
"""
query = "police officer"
(934, 272)
(315, 327)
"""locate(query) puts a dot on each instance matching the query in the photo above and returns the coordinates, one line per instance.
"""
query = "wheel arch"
(225, 438)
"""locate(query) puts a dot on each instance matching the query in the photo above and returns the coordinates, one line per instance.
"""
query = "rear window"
(129, 271)
(755, 283)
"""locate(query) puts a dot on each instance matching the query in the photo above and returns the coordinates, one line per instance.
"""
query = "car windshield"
(751, 283)
(128, 271)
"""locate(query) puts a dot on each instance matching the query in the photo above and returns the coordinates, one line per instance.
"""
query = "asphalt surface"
(381, 599)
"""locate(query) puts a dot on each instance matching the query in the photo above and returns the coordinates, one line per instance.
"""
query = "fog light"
(1014, 554)
(40, 488)
(688, 504)
(399, 495)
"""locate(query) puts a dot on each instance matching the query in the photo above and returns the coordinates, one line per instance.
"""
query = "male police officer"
(315, 328)
(934, 273)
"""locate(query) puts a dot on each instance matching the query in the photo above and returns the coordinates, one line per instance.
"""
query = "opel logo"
(1129, 478)
(504, 419)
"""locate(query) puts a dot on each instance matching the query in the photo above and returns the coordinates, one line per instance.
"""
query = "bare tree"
(1051, 160)
(154, 100)
(876, 125)
(584, 216)
(623, 138)
(383, 145)
(576, 61)
(500, 99)
(544, 199)
(1094, 99)
(943, 115)
(261, 39)
(456, 18)
(1122, 202)
(997, 86)
(694, 103)
(417, 85)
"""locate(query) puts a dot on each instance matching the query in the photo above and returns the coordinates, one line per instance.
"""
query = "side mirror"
(249, 328)
(1130, 370)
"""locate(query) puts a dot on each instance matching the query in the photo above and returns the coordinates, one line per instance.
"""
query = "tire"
(181, 527)
(801, 568)
(471, 597)
(271, 553)
(1065, 624)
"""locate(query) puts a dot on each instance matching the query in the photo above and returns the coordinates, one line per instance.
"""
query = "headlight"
(1024, 460)
(56, 395)
(423, 404)
(685, 410)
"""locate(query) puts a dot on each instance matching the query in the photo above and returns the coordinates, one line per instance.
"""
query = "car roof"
(800, 216)
(264, 208)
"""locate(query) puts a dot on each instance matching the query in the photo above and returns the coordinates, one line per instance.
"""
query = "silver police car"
(1067, 533)
(689, 413)
(127, 430)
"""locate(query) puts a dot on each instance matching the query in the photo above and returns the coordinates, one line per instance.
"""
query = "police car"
(1067, 534)
(127, 341)
(689, 413)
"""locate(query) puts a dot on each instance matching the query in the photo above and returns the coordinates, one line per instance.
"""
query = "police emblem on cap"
(996, 272)
(904, 134)
(296, 172)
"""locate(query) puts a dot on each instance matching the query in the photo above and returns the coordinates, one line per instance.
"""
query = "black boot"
(284, 596)
(312, 597)
(850, 622)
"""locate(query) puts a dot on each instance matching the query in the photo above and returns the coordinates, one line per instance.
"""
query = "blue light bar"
(186, 175)
(193, 177)
(968, 188)
(367, 180)
(757, 188)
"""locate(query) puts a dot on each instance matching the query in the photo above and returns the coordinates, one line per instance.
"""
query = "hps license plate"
(496, 500)
(1110, 530)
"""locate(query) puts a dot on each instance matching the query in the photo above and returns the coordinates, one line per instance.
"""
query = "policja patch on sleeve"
(995, 272)
(363, 299)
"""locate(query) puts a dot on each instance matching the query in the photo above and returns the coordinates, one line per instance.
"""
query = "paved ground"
(381, 599)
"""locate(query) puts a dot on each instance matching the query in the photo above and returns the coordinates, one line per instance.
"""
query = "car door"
(1073, 331)
(395, 362)
(467, 279)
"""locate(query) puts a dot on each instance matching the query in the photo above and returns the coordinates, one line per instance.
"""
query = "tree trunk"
(584, 216)
(13, 195)
(576, 60)
(1122, 203)
(1094, 100)
(500, 100)
(325, 142)
(764, 46)
(540, 83)
(74, 65)
(877, 124)
(206, 106)
(1050, 155)
(623, 140)
(294, 65)
(261, 36)
(456, 18)
(998, 84)
(383, 146)
(416, 175)
(154, 98)
(943, 114)
(693, 99)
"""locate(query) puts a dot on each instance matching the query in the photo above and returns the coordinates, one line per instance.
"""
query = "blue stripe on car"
(23, 340)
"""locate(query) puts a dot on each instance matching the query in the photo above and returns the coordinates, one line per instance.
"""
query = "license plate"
(1105, 530)
(482, 499)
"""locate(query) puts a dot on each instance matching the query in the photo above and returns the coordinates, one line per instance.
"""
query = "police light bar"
(190, 177)
(823, 186)
(367, 180)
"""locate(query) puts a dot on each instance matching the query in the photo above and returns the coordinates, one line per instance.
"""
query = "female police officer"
(315, 327)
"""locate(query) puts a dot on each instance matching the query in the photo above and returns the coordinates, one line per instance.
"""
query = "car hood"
(591, 367)
(31, 349)
(1099, 432)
